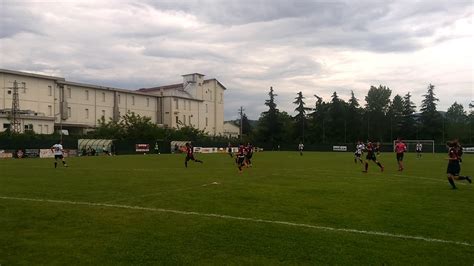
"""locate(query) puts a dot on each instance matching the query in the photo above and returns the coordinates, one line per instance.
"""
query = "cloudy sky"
(316, 47)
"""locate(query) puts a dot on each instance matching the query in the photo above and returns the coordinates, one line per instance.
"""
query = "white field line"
(255, 220)
(163, 192)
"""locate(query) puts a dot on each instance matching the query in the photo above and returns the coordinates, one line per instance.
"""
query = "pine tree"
(269, 125)
(409, 124)
(300, 118)
(431, 120)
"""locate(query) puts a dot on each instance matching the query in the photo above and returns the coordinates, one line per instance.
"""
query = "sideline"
(228, 217)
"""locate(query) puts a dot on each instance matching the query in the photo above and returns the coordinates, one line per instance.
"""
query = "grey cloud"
(15, 19)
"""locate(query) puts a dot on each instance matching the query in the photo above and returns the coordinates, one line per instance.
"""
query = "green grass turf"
(320, 189)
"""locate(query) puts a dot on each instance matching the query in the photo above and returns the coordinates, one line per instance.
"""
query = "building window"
(133, 100)
(50, 110)
(40, 129)
(184, 119)
(87, 95)
(147, 102)
(177, 120)
(103, 114)
(103, 96)
(176, 104)
(210, 95)
(6, 125)
(46, 129)
(87, 113)
(50, 91)
(69, 93)
(206, 122)
(69, 112)
(207, 108)
(28, 127)
(189, 120)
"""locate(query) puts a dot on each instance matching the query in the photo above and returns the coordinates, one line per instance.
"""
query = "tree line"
(381, 118)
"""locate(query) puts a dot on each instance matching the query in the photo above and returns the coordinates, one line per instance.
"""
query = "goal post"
(427, 145)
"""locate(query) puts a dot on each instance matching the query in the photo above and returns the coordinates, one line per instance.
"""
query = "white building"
(195, 102)
(231, 130)
(49, 103)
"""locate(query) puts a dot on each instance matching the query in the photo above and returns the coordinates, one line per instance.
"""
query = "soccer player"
(358, 152)
(371, 157)
(58, 151)
(300, 148)
(400, 149)
(229, 150)
(240, 157)
(190, 155)
(454, 168)
(419, 149)
(377, 148)
(248, 155)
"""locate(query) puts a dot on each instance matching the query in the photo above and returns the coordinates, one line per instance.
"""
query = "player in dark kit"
(248, 154)
(241, 157)
(371, 157)
(229, 150)
(454, 167)
(190, 155)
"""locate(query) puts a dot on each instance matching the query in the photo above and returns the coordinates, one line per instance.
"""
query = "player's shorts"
(400, 157)
(357, 155)
(240, 160)
(58, 156)
(249, 156)
(453, 168)
(418, 151)
(371, 157)
(190, 157)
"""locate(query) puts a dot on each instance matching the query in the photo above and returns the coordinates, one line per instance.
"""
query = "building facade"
(48, 104)
(231, 130)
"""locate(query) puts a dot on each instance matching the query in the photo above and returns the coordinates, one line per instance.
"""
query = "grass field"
(318, 208)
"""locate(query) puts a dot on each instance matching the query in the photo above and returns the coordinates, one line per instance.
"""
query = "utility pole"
(241, 113)
(15, 126)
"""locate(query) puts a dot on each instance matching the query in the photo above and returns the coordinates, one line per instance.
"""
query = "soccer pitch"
(318, 208)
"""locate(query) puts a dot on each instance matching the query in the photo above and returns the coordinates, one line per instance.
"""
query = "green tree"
(318, 121)
(300, 117)
(246, 127)
(457, 122)
(409, 123)
(377, 105)
(109, 129)
(270, 126)
(354, 119)
(337, 119)
(395, 114)
(431, 121)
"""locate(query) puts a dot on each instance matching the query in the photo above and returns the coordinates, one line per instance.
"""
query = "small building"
(231, 130)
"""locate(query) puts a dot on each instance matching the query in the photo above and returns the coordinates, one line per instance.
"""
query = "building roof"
(85, 85)
(202, 75)
(178, 86)
(14, 72)
(209, 80)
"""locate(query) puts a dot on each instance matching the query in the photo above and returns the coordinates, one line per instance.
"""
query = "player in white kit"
(58, 151)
